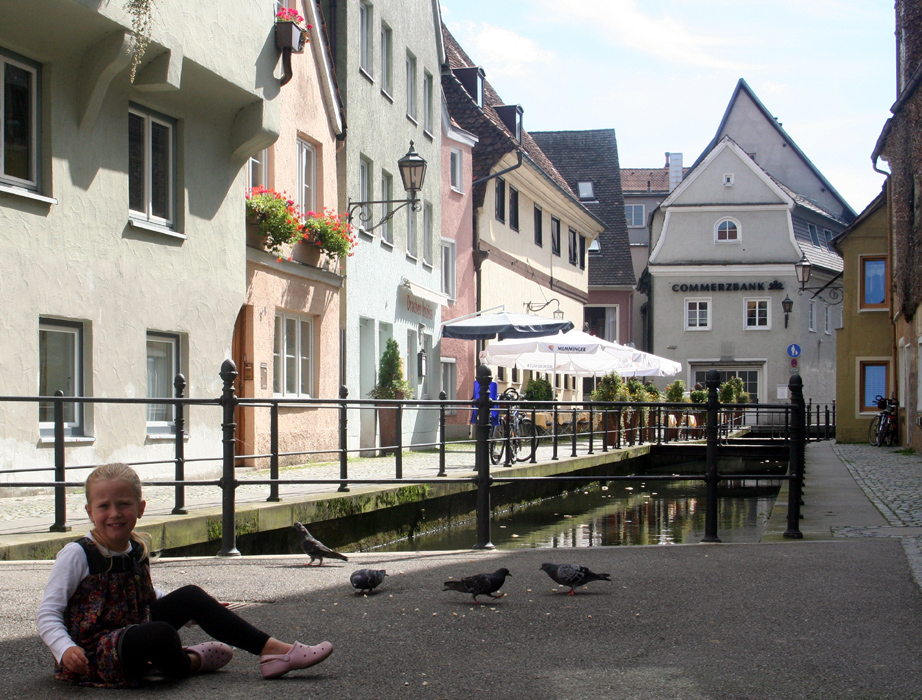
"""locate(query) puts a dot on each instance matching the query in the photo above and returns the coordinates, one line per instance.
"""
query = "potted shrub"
(675, 393)
(652, 415)
(327, 233)
(636, 394)
(390, 385)
(275, 219)
(610, 389)
(698, 418)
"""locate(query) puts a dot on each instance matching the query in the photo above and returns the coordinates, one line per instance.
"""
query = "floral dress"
(116, 594)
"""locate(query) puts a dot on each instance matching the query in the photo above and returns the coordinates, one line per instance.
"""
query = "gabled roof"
(495, 138)
(743, 88)
(877, 203)
(593, 156)
(646, 180)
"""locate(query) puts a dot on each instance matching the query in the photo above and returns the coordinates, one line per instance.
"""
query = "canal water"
(616, 513)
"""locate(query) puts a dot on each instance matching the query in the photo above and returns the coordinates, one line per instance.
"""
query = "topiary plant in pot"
(390, 385)
(611, 388)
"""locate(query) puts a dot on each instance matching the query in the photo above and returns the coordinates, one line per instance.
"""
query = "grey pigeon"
(367, 579)
(314, 548)
(572, 575)
(479, 584)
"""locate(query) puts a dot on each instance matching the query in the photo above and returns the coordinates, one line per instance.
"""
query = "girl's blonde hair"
(109, 472)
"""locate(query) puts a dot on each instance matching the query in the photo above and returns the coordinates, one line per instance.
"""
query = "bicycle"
(513, 431)
(882, 430)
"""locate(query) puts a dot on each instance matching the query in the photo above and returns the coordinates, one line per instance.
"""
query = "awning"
(425, 293)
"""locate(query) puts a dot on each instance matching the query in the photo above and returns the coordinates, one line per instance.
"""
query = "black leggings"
(157, 642)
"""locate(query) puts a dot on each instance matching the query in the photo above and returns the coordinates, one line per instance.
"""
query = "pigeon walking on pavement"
(572, 575)
(314, 548)
(366, 580)
(479, 584)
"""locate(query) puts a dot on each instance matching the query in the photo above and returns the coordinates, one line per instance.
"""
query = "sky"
(661, 72)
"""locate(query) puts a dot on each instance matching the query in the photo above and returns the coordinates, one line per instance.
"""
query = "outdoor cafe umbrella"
(503, 325)
(577, 353)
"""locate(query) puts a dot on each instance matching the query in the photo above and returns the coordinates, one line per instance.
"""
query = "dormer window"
(585, 190)
(472, 80)
(511, 116)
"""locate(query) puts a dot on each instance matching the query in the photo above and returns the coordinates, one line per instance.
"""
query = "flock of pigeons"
(366, 580)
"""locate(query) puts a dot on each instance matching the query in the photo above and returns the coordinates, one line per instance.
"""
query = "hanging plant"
(141, 12)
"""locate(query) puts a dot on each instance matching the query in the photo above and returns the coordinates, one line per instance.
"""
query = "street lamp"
(536, 306)
(412, 172)
(803, 268)
(787, 305)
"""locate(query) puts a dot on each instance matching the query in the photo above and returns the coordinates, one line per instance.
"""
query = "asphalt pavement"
(837, 614)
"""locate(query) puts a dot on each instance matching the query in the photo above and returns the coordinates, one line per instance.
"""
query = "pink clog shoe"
(300, 656)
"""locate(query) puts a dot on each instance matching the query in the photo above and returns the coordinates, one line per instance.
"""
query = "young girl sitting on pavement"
(105, 622)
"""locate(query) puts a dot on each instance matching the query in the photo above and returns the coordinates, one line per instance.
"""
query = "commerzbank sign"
(729, 286)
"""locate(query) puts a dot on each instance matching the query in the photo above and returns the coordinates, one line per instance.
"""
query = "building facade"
(121, 219)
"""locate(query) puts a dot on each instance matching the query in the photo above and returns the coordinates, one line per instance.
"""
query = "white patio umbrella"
(578, 353)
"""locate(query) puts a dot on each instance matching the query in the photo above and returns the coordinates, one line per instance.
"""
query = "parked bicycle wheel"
(889, 433)
(527, 445)
(873, 430)
(497, 443)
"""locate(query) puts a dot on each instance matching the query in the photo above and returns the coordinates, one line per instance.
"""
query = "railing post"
(398, 454)
(554, 433)
(60, 496)
(797, 457)
(507, 438)
(574, 427)
(591, 428)
(179, 497)
(482, 458)
(442, 397)
(712, 478)
(229, 477)
(343, 450)
(274, 452)
(534, 437)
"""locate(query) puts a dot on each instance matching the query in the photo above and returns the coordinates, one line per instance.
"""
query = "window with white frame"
(151, 148)
(258, 170)
(727, 231)
(827, 319)
(412, 237)
(513, 208)
(307, 177)
(60, 363)
(634, 214)
(457, 170)
(449, 257)
(19, 119)
(450, 382)
(811, 316)
(874, 380)
(572, 249)
(387, 194)
(758, 314)
(697, 314)
(427, 233)
(364, 213)
(827, 238)
(411, 86)
(874, 277)
(292, 356)
(162, 368)
(365, 48)
(387, 59)
(539, 226)
(555, 236)
(427, 101)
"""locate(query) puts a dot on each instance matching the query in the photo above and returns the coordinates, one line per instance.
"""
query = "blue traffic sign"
(793, 350)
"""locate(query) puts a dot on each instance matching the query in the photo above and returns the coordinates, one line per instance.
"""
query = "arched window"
(727, 231)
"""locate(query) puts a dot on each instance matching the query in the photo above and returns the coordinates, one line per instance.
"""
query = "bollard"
(228, 478)
(398, 454)
(797, 456)
(442, 397)
(343, 451)
(482, 458)
(60, 497)
(179, 496)
(712, 478)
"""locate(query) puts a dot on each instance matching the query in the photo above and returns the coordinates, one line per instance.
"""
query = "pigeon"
(314, 548)
(572, 575)
(366, 580)
(479, 584)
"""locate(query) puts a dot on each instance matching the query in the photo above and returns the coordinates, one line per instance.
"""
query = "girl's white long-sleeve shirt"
(70, 568)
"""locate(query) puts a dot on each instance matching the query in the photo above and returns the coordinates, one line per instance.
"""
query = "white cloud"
(502, 52)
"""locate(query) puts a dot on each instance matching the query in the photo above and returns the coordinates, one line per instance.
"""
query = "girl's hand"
(74, 660)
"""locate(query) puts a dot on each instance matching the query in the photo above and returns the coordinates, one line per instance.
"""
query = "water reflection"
(617, 513)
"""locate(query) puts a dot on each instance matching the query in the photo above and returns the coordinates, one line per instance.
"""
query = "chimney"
(674, 163)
